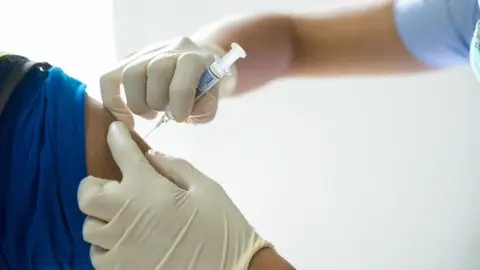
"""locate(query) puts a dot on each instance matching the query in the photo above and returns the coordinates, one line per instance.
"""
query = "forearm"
(268, 259)
(355, 43)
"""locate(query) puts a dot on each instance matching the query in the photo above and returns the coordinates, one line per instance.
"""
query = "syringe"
(211, 76)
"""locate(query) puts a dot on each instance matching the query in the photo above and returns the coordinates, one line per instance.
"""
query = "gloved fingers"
(205, 107)
(110, 92)
(134, 82)
(179, 171)
(110, 85)
(97, 232)
(160, 72)
(125, 258)
(188, 71)
(95, 198)
(98, 257)
(131, 160)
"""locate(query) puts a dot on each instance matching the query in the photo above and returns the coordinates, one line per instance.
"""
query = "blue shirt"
(42, 161)
(437, 32)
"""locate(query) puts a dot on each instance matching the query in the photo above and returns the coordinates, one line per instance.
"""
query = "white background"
(75, 35)
(358, 173)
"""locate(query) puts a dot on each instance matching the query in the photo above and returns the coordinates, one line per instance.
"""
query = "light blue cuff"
(437, 32)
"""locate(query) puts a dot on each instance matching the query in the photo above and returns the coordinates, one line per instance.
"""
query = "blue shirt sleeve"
(437, 32)
(42, 161)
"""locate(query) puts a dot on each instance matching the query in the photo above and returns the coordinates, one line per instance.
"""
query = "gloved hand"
(150, 222)
(164, 75)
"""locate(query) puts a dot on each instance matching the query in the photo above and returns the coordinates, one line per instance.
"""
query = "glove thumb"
(179, 171)
(95, 198)
(127, 154)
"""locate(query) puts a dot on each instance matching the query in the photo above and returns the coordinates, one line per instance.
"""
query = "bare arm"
(100, 162)
(268, 259)
(354, 43)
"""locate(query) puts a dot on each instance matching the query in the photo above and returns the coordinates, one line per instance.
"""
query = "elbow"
(293, 42)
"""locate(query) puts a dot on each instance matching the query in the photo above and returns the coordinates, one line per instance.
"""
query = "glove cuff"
(228, 83)
(245, 260)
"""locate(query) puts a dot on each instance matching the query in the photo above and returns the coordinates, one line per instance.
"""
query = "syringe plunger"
(223, 64)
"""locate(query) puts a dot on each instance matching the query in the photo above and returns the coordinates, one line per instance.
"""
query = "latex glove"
(149, 222)
(161, 76)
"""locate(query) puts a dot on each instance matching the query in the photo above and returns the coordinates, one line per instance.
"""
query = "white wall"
(77, 36)
(359, 173)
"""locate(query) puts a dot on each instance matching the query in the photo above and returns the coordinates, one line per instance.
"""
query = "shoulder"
(9, 62)
(12, 70)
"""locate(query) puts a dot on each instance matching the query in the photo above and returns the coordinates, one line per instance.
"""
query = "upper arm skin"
(98, 156)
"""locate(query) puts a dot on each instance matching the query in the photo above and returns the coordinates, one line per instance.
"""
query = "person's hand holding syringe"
(210, 77)
(180, 79)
